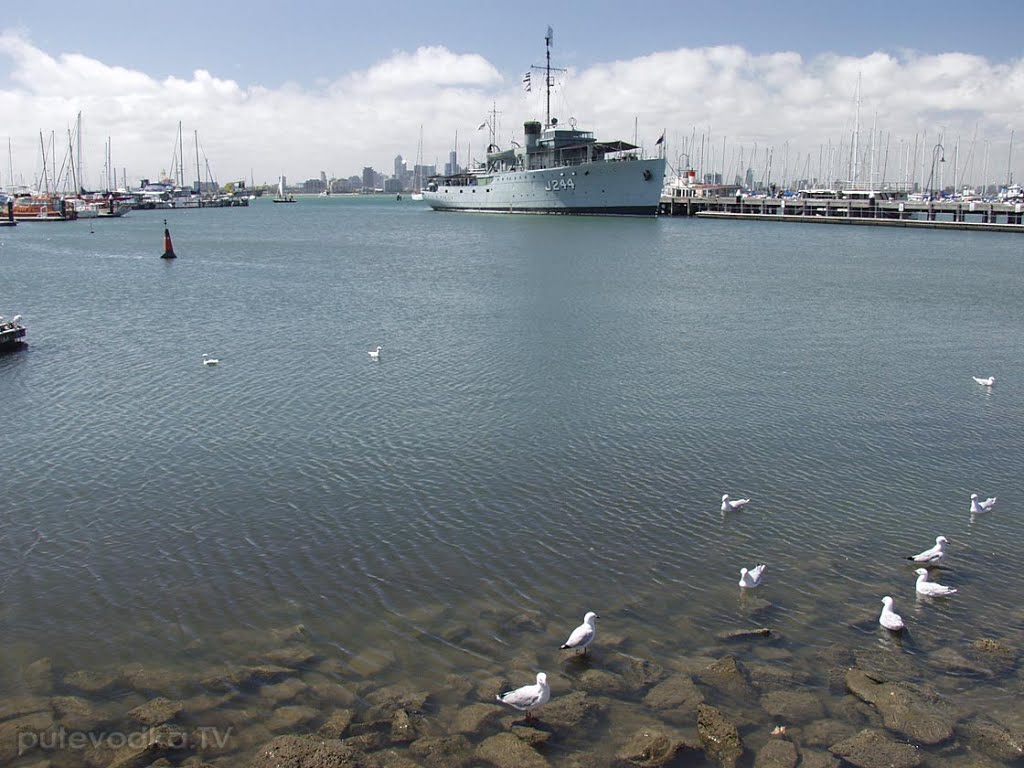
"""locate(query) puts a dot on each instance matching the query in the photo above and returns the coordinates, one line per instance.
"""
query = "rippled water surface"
(558, 407)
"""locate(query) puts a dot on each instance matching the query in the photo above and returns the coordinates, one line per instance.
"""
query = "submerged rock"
(307, 752)
(286, 690)
(336, 724)
(290, 718)
(21, 706)
(572, 711)
(11, 741)
(507, 751)
(920, 715)
(873, 749)
(443, 751)
(602, 682)
(993, 740)
(793, 707)
(676, 696)
(743, 634)
(639, 674)
(92, 682)
(156, 711)
(729, 678)
(156, 744)
(74, 713)
(719, 735)
(241, 677)
(777, 753)
(476, 719)
(39, 675)
(652, 748)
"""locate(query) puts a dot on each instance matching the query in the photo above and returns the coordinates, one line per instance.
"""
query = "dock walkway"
(975, 215)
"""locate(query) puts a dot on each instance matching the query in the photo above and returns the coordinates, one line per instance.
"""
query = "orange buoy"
(168, 248)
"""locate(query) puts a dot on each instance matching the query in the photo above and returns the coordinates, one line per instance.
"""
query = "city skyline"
(737, 82)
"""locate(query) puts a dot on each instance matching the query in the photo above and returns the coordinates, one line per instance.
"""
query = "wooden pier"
(935, 214)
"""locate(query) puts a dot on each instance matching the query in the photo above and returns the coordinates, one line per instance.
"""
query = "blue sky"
(300, 88)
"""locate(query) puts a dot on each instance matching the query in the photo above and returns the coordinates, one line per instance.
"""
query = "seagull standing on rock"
(584, 634)
(977, 507)
(731, 505)
(932, 555)
(529, 697)
(931, 588)
(752, 578)
(889, 618)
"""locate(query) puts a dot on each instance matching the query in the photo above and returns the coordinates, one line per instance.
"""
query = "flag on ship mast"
(526, 81)
(482, 126)
(660, 140)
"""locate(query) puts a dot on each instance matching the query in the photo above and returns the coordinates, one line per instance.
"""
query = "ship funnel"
(532, 131)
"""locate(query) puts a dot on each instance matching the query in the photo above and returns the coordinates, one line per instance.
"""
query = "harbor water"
(558, 407)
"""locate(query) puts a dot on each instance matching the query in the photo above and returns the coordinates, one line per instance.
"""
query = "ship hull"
(607, 188)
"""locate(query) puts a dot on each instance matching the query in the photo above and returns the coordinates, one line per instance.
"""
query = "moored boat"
(43, 208)
(12, 334)
(559, 170)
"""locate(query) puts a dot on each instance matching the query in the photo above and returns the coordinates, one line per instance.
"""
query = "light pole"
(938, 152)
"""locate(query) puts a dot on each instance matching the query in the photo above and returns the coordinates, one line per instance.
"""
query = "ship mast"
(549, 39)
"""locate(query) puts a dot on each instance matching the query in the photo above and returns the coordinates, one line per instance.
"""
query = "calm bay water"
(558, 407)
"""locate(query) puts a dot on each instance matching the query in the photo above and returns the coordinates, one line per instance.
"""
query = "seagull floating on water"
(889, 618)
(207, 360)
(529, 697)
(931, 588)
(375, 353)
(977, 507)
(932, 555)
(752, 578)
(584, 634)
(731, 505)
(985, 382)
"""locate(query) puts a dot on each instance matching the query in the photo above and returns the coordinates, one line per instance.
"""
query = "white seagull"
(529, 697)
(375, 353)
(977, 507)
(985, 382)
(207, 360)
(731, 505)
(889, 618)
(932, 555)
(930, 588)
(584, 634)
(752, 578)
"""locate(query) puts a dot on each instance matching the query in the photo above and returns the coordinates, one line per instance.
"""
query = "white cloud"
(780, 101)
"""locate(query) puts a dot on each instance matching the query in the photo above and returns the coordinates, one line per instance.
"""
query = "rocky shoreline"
(744, 701)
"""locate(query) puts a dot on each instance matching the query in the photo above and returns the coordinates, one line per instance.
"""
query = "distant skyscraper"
(452, 166)
(399, 167)
(323, 178)
(368, 178)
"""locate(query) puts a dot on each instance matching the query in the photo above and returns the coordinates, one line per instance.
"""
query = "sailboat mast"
(1009, 162)
(78, 132)
(199, 178)
(856, 137)
(181, 159)
(42, 148)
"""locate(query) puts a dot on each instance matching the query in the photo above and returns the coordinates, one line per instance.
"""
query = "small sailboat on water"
(281, 196)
